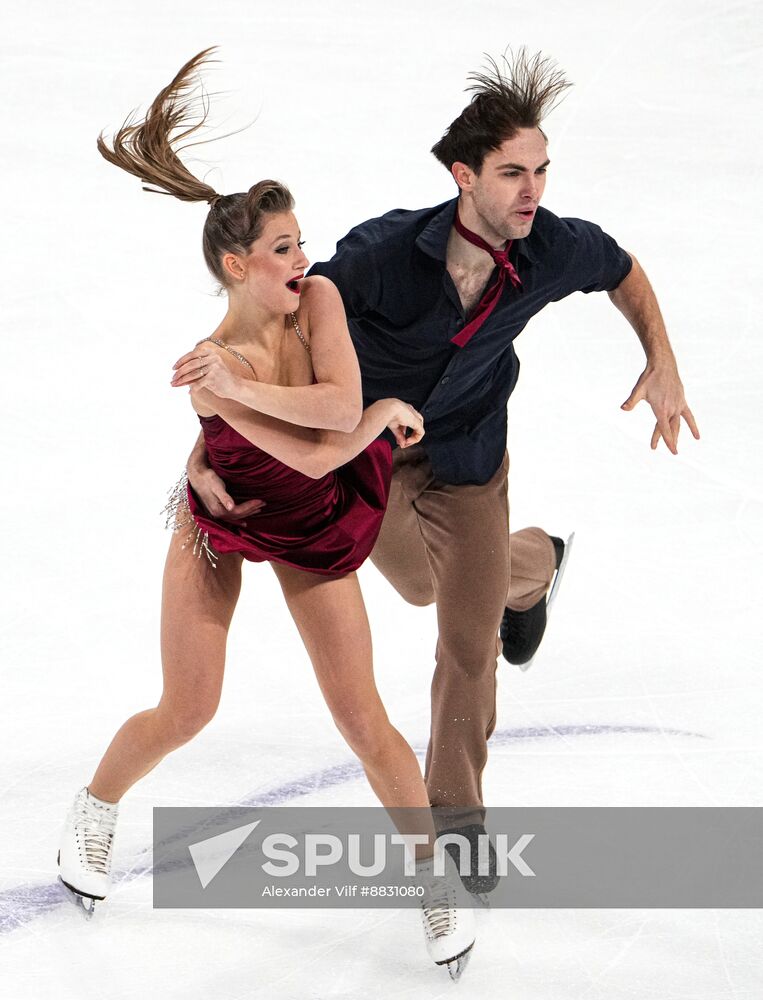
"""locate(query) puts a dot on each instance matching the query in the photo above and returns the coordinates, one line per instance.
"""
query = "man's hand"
(659, 383)
(210, 489)
(662, 389)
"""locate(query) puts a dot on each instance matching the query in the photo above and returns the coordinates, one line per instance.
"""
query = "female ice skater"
(277, 390)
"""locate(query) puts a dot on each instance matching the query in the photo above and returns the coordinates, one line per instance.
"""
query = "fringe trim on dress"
(178, 516)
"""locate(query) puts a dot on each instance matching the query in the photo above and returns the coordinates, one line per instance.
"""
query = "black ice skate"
(521, 632)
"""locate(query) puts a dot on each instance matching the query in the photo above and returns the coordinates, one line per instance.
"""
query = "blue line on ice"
(23, 903)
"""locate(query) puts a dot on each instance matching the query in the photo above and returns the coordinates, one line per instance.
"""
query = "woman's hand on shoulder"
(206, 368)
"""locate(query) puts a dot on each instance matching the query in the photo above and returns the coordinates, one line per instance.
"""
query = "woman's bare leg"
(197, 607)
(331, 618)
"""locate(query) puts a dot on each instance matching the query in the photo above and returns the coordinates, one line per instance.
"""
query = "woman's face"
(275, 264)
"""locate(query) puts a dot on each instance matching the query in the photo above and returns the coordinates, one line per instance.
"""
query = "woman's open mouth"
(293, 284)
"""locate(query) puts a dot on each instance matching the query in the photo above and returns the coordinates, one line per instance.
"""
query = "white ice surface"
(658, 622)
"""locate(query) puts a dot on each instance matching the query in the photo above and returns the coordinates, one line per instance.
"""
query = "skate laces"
(95, 826)
(438, 904)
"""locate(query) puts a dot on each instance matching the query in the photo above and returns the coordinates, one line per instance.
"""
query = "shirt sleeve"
(593, 262)
(355, 271)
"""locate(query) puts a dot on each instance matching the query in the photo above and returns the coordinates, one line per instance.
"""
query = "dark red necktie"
(490, 299)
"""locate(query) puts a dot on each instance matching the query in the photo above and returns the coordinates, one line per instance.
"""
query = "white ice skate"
(87, 842)
(448, 919)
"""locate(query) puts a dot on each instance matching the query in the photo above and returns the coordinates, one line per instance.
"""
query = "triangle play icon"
(210, 855)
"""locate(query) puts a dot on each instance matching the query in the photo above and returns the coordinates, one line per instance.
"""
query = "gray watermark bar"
(544, 857)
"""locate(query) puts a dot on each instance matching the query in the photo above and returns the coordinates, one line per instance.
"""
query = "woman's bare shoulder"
(318, 291)
(320, 305)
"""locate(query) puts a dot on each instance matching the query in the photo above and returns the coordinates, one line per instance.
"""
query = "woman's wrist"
(388, 408)
(242, 391)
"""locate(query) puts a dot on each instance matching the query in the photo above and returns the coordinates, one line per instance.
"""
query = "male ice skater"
(435, 299)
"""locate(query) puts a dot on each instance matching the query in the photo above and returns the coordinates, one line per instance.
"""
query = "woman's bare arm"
(314, 452)
(333, 402)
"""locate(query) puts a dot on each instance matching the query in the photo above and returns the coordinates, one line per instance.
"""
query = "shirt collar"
(433, 238)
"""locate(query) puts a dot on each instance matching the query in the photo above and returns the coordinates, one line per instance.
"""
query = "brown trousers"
(451, 545)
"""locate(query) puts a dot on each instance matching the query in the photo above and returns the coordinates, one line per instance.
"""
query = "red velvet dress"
(326, 526)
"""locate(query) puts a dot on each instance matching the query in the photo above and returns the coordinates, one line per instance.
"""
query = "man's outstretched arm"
(659, 383)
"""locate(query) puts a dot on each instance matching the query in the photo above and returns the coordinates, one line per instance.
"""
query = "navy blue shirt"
(403, 309)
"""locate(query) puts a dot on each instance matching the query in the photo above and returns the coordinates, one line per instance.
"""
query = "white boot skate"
(448, 920)
(84, 858)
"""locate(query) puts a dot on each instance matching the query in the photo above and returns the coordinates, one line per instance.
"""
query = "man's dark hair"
(519, 96)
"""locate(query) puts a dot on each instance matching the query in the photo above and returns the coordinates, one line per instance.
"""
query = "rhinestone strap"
(242, 359)
(299, 333)
(230, 350)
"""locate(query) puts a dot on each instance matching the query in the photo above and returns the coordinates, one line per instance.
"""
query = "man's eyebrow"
(518, 166)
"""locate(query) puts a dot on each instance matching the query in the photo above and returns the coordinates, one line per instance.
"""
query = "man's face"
(506, 192)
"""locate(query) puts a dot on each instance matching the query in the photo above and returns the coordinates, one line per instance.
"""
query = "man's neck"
(471, 219)
(462, 254)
